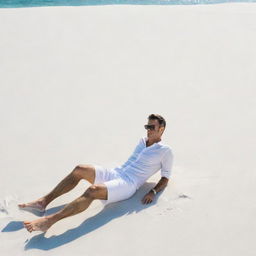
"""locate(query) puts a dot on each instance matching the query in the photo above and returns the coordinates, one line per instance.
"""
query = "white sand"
(77, 85)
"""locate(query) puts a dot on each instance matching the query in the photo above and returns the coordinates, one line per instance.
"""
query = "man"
(111, 185)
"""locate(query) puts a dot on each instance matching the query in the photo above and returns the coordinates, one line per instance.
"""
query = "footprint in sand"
(184, 196)
(3, 209)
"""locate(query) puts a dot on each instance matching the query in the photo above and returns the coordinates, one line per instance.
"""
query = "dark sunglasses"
(149, 127)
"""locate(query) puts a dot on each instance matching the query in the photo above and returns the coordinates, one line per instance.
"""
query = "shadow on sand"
(42, 3)
(17, 225)
(108, 213)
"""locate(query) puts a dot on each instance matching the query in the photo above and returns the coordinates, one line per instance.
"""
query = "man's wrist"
(153, 191)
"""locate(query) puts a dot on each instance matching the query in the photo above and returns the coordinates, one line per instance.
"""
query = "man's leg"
(78, 205)
(86, 172)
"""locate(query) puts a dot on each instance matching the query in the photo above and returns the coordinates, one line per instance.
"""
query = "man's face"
(157, 132)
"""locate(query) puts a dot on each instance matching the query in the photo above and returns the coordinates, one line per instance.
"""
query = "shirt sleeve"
(166, 164)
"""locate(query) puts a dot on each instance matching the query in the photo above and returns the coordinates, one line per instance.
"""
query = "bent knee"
(91, 191)
(80, 169)
(95, 192)
(83, 166)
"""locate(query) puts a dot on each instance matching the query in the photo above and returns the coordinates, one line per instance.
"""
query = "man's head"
(156, 126)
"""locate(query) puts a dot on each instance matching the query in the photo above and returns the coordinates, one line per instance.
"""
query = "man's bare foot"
(38, 205)
(41, 224)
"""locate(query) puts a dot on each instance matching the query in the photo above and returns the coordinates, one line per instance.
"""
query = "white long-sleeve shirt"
(146, 161)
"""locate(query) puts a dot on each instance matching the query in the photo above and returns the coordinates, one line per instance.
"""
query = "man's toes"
(29, 230)
(29, 227)
(26, 224)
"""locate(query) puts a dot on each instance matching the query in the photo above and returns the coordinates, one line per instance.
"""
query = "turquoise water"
(33, 3)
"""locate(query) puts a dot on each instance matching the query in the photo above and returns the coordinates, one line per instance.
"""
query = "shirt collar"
(145, 139)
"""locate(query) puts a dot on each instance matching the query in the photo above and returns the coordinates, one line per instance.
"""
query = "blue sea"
(38, 3)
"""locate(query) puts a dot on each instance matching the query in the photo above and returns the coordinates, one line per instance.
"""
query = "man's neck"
(151, 142)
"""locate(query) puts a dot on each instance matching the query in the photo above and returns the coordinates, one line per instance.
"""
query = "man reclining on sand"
(111, 185)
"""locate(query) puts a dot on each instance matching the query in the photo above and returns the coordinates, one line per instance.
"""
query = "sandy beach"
(77, 85)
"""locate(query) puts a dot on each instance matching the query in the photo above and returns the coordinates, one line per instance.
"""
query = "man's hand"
(148, 198)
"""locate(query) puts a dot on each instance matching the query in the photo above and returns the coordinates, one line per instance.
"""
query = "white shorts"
(118, 187)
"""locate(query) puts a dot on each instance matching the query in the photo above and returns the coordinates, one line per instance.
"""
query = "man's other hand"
(148, 198)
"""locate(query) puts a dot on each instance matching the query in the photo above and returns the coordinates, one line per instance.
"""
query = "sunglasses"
(150, 127)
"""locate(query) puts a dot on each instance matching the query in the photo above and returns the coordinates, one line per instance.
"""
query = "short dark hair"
(160, 119)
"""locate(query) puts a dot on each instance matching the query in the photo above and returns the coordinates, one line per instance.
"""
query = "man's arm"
(148, 198)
